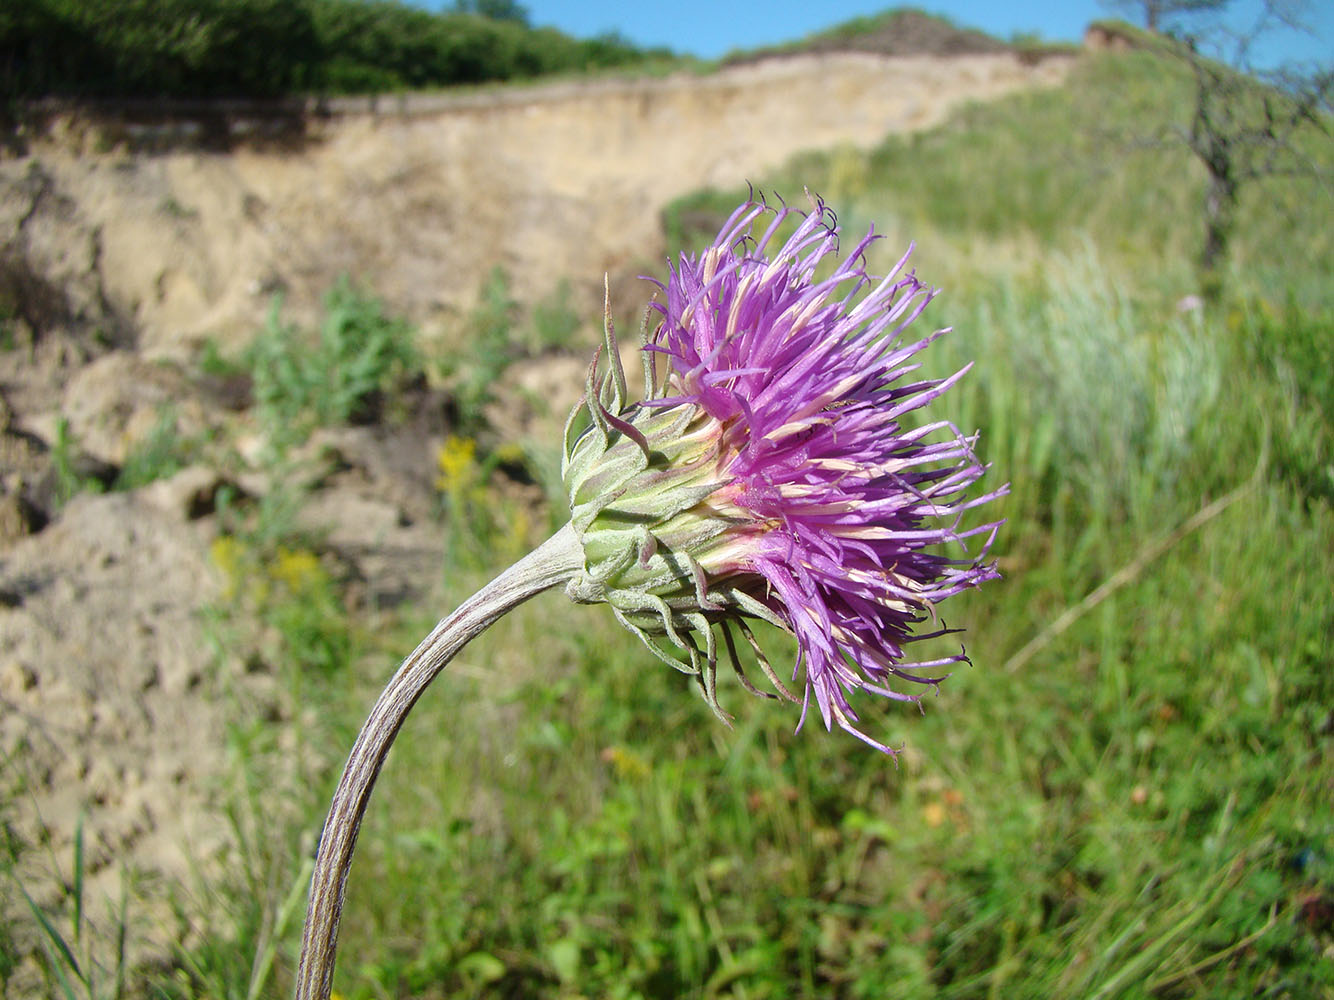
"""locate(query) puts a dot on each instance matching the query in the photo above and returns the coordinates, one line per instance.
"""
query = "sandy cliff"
(420, 197)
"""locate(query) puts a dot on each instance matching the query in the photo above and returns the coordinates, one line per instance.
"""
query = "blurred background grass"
(1129, 793)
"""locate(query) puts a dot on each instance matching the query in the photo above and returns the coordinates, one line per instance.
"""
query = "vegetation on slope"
(900, 31)
(268, 48)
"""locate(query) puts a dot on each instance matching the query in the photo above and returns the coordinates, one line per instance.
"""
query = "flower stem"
(552, 563)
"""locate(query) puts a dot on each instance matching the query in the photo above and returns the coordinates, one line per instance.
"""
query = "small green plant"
(493, 337)
(288, 590)
(213, 361)
(488, 347)
(339, 375)
(161, 453)
(70, 479)
(72, 963)
(554, 321)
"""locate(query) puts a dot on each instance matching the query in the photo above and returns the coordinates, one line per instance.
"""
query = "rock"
(118, 400)
(392, 560)
(16, 679)
(190, 494)
(24, 461)
(51, 258)
(18, 517)
(395, 463)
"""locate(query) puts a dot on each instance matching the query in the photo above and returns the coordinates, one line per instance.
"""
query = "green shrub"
(268, 48)
(489, 344)
(160, 454)
(338, 375)
(287, 588)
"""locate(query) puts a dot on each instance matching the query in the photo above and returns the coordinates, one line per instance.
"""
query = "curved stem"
(552, 563)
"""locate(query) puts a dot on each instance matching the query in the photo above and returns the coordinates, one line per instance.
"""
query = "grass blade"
(59, 942)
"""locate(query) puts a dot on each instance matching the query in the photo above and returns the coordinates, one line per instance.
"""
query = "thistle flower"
(770, 473)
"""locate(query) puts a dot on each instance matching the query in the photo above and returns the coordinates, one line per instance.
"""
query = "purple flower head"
(770, 473)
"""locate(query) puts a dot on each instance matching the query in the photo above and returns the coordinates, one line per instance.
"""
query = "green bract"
(663, 544)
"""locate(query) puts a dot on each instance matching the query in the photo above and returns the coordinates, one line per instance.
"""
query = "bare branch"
(1245, 127)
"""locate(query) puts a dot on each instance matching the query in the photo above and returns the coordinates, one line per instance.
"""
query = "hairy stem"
(551, 564)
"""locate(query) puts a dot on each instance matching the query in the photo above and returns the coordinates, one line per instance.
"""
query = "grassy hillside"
(1129, 793)
(1095, 162)
(903, 31)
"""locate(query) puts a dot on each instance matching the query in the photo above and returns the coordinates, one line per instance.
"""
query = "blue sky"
(709, 28)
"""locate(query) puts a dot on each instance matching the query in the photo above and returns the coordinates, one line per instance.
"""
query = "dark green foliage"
(151, 48)
(337, 376)
(488, 348)
(496, 10)
(269, 48)
(1296, 347)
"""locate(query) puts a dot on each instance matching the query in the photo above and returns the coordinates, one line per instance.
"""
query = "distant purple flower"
(770, 475)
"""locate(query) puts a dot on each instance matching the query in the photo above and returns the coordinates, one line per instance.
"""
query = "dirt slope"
(422, 197)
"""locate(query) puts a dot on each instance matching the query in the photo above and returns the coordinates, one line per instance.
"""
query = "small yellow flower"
(299, 570)
(934, 814)
(225, 554)
(456, 459)
(627, 764)
(510, 451)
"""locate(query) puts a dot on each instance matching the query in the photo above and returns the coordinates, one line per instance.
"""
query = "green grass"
(1138, 809)
(1128, 794)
